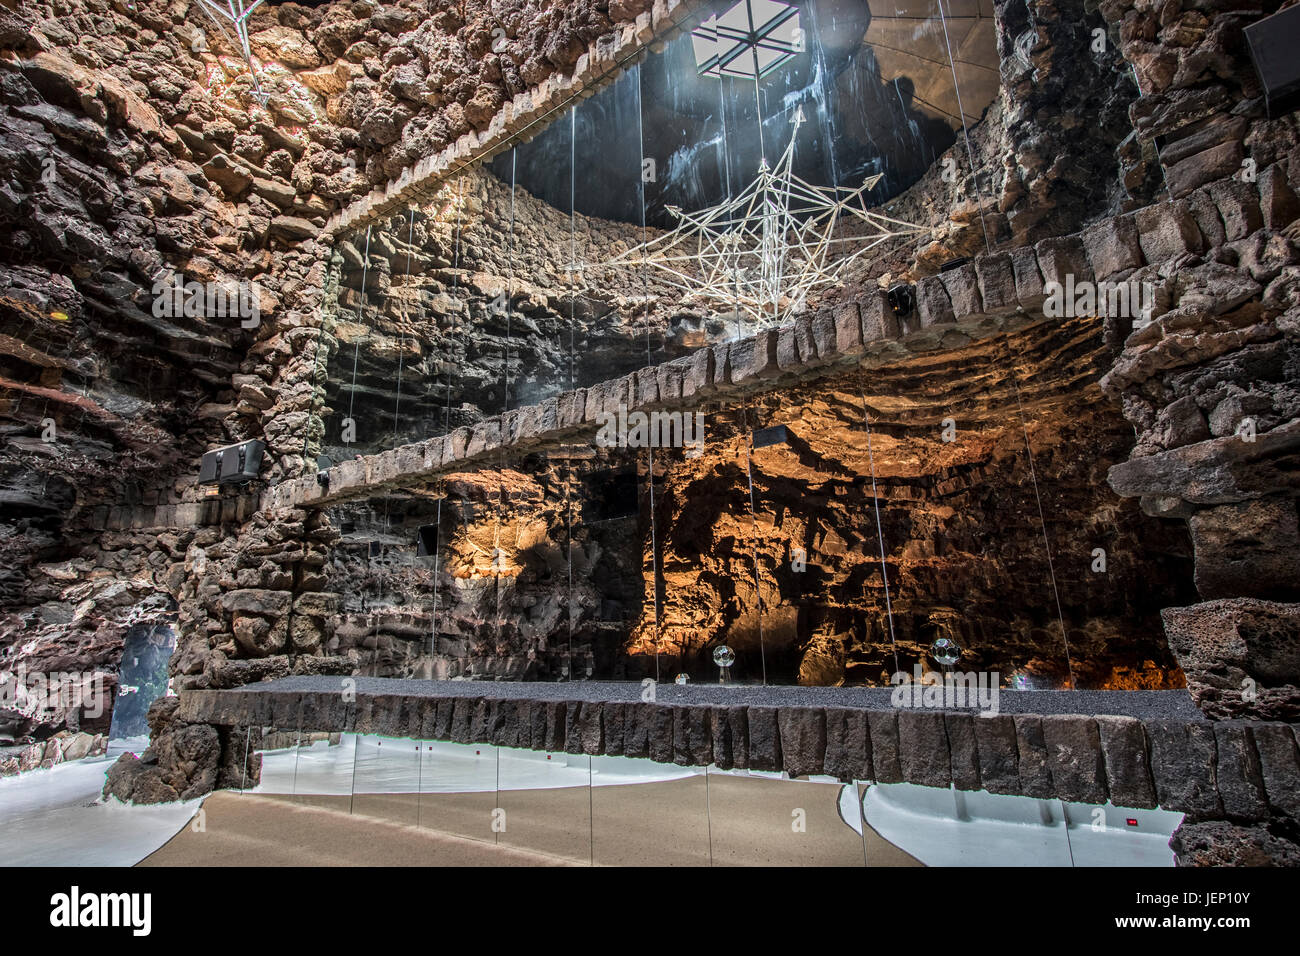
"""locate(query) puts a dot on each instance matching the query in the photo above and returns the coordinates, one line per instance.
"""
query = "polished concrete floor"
(689, 821)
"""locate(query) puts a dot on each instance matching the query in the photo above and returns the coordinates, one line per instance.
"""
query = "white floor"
(56, 817)
(385, 765)
(957, 828)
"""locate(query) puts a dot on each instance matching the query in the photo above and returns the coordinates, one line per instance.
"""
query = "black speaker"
(1274, 44)
(426, 542)
(233, 464)
(902, 299)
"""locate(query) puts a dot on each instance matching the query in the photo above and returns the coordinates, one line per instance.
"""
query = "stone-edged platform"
(1137, 749)
(995, 293)
(850, 335)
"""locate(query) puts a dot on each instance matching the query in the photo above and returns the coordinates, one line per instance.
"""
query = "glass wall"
(621, 811)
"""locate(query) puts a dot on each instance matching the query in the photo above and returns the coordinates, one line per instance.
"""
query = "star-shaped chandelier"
(765, 251)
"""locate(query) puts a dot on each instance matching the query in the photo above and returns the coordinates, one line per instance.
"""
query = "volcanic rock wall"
(528, 572)
(1210, 386)
(468, 305)
(135, 150)
(965, 554)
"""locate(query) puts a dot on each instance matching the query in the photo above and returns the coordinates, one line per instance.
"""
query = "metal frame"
(233, 13)
(758, 36)
(766, 250)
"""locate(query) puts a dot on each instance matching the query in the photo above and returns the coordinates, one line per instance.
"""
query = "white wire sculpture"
(765, 251)
(233, 13)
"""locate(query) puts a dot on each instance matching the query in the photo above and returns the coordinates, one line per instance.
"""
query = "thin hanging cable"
(970, 153)
(1042, 521)
(401, 351)
(645, 286)
(827, 117)
(749, 476)
(510, 284)
(758, 108)
(446, 420)
(753, 525)
(880, 533)
(331, 280)
(726, 153)
(460, 325)
(573, 285)
(380, 578)
(744, 405)
(361, 319)
(505, 397)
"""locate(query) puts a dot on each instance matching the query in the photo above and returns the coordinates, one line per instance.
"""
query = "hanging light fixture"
(768, 249)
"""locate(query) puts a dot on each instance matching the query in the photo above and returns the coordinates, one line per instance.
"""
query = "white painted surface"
(960, 828)
(387, 765)
(56, 817)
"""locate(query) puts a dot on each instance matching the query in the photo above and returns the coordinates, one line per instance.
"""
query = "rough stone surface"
(1241, 656)
(1128, 765)
(1075, 758)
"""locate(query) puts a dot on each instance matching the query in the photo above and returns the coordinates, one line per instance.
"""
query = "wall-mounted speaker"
(1274, 44)
(233, 464)
(902, 298)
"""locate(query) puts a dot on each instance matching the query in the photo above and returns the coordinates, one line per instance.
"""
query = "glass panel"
(956, 489)
(323, 769)
(1120, 836)
(648, 814)
(766, 819)
(546, 802)
(386, 782)
(1113, 566)
(938, 827)
(679, 204)
(458, 789)
(277, 750)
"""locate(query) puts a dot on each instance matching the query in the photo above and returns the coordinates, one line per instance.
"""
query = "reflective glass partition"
(831, 531)
(458, 789)
(631, 811)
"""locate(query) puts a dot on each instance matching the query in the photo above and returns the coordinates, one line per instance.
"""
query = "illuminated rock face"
(537, 573)
(959, 520)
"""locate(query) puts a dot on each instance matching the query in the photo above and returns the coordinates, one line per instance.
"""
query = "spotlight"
(323, 466)
(232, 465)
(956, 263)
(902, 298)
(1273, 42)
